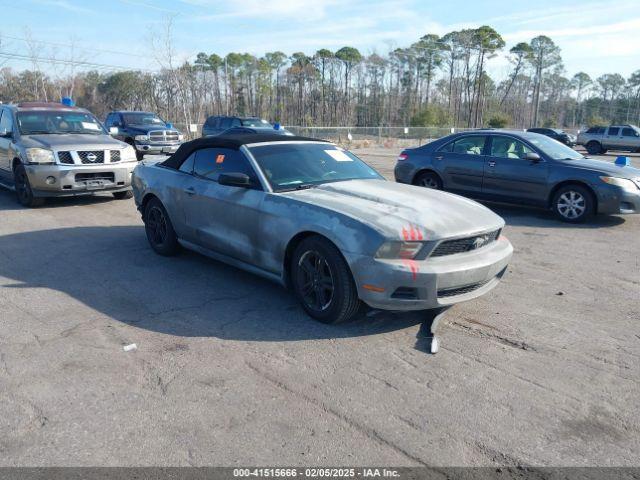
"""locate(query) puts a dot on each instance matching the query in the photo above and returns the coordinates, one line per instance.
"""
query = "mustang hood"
(72, 142)
(403, 211)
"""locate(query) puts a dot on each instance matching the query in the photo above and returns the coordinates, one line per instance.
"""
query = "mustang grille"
(90, 157)
(115, 156)
(452, 292)
(451, 247)
(65, 157)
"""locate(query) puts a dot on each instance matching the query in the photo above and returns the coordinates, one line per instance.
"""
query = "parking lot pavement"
(544, 370)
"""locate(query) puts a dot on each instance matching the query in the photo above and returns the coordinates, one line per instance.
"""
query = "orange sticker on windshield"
(220, 159)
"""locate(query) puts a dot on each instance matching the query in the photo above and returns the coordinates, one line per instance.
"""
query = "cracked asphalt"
(544, 370)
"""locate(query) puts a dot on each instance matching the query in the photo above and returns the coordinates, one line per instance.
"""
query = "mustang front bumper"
(431, 283)
(68, 180)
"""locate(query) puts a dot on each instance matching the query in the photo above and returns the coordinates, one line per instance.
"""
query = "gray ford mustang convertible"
(317, 219)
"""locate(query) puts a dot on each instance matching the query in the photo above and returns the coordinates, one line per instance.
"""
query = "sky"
(595, 37)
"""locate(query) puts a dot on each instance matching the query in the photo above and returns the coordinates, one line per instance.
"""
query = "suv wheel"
(594, 147)
(322, 281)
(573, 204)
(428, 180)
(159, 230)
(23, 188)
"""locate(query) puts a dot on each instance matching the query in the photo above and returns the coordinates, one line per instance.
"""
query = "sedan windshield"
(58, 122)
(553, 148)
(290, 166)
(141, 119)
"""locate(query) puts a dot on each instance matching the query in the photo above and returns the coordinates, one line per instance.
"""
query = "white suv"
(616, 137)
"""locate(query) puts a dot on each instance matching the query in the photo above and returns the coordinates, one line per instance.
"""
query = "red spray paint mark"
(413, 266)
(412, 233)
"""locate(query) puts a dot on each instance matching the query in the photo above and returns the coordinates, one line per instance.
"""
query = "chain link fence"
(376, 136)
(358, 137)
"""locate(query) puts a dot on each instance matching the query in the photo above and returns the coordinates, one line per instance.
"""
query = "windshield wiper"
(302, 186)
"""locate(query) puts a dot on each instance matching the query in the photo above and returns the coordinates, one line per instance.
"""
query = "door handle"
(492, 164)
(190, 191)
(439, 158)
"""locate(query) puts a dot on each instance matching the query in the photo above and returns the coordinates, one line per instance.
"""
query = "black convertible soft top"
(233, 142)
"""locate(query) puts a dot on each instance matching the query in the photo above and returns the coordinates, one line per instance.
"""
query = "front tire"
(160, 233)
(123, 195)
(573, 204)
(24, 193)
(322, 281)
(594, 148)
(428, 180)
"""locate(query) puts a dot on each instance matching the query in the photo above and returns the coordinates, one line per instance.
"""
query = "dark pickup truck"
(144, 131)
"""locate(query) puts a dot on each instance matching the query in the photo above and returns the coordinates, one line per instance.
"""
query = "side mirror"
(113, 130)
(533, 157)
(169, 125)
(241, 180)
(4, 133)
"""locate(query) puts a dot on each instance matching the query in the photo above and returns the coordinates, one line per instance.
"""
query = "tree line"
(436, 81)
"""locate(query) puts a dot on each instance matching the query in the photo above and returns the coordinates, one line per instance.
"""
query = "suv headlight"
(40, 156)
(399, 250)
(180, 137)
(620, 182)
(141, 138)
(128, 154)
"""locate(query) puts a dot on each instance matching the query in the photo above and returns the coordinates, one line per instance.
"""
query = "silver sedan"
(315, 218)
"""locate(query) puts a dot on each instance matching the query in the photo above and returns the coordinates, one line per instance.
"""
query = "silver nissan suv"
(50, 149)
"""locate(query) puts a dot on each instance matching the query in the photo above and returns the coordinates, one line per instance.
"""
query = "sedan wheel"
(322, 281)
(159, 229)
(428, 180)
(573, 204)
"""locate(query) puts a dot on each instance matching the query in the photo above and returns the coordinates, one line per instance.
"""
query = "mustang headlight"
(40, 156)
(141, 138)
(620, 182)
(128, 154)
(407, 250)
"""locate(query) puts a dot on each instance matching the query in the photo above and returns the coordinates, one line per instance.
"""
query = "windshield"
(288, 166)
(57, 122)
(142, 119)
(553, 148)
(255, 122)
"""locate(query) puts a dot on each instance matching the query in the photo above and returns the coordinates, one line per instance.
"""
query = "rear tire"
(573, 204)
(594, 148)
(123, 195)
(428, 180)
(24, 193)
(160, 233)
(322, 281)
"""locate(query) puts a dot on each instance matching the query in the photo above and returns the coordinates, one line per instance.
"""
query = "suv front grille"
(451, 247)
(163, 136)
(91, 157)
(115, 156)
(452, 292)
(104, 176)
(65, 157)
